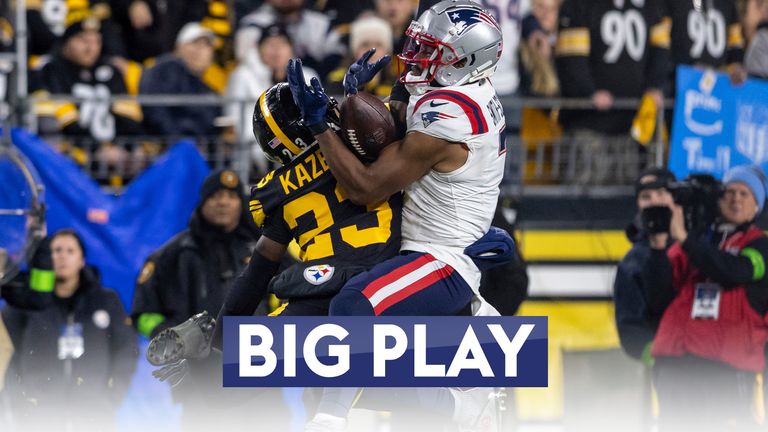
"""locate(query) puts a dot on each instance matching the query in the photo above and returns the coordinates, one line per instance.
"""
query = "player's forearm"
(349, 172)
(246, 292)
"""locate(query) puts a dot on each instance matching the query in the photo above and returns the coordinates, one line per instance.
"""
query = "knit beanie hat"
(753, 177)
(87, 23)
(220, 179)
(370, 28)
(664, 178)
(275, 30)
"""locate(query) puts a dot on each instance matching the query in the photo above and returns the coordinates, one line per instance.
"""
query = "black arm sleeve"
(275, 228)
(656, 276)
(724, 268)
(247, 291)
(19, 293)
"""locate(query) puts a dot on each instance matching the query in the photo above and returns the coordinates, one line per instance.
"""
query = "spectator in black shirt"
(182, 73)
(74, 359)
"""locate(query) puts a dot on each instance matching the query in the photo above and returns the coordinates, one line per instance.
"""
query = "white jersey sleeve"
(447, 114)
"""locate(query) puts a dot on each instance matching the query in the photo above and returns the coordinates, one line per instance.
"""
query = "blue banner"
(385, 351)
(717, 125)
(119, 232)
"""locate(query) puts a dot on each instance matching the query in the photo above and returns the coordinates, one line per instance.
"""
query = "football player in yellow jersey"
(337, 239)
(299, 201)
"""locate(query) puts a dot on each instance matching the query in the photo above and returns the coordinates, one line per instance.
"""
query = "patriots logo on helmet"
(430, 117)
(465, 17)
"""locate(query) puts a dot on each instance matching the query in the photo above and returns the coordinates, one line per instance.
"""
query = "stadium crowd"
(552, 48)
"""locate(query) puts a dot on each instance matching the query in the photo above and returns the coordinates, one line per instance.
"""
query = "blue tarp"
(15, 194)
(119, 232)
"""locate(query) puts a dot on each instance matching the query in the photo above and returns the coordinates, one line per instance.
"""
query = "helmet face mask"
(453, 43)
(425, 54)
(277, 124)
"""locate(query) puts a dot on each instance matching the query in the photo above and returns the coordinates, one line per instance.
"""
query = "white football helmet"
(454, 42)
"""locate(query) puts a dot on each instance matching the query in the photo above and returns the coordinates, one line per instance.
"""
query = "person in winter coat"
(711, 289)
(635, 324)
(192, 273)
(183, 73)
(74, 359)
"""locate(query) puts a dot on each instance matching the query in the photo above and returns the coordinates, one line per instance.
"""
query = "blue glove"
(311, 101)
(360, 72)
(494, 248)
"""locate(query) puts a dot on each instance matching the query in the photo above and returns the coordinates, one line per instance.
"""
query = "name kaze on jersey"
(303, 201)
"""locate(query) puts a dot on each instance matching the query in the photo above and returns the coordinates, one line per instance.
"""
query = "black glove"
(41, 276)
(33, 291)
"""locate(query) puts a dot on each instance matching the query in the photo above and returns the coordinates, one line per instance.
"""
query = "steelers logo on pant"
(318, 274)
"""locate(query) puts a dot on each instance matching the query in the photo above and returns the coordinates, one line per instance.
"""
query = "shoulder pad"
(447, 114)
(285, 183)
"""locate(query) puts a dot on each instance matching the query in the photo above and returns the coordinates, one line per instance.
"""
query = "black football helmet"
(277, 124)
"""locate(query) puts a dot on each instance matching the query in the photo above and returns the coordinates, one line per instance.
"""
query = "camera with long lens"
(698, 194)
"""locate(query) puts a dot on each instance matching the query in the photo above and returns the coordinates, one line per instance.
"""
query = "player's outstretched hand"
(361, 72)
(311, 100)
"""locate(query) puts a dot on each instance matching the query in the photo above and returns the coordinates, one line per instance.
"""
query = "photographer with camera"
(711, 288)
(635, 324)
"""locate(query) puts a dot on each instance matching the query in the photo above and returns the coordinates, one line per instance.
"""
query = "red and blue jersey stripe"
(470, 107)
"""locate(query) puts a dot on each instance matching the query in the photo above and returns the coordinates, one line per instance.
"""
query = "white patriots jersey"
(443, 213)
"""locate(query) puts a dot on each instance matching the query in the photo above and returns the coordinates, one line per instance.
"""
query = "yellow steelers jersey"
(303, 201)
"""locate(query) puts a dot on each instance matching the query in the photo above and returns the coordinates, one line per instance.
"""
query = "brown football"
(367, 126)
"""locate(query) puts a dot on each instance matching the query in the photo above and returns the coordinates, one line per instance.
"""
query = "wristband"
(147, 322)
(42, 280)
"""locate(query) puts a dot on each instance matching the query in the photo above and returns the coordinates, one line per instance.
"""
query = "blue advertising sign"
(385, 351)
(717, 125)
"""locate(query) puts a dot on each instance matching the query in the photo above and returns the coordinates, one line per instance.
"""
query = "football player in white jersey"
(449, 164)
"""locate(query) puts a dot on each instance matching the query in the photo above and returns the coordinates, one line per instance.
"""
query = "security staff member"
(193, 271)
(75, 358)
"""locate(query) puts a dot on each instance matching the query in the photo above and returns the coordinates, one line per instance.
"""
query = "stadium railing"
(542, 158)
